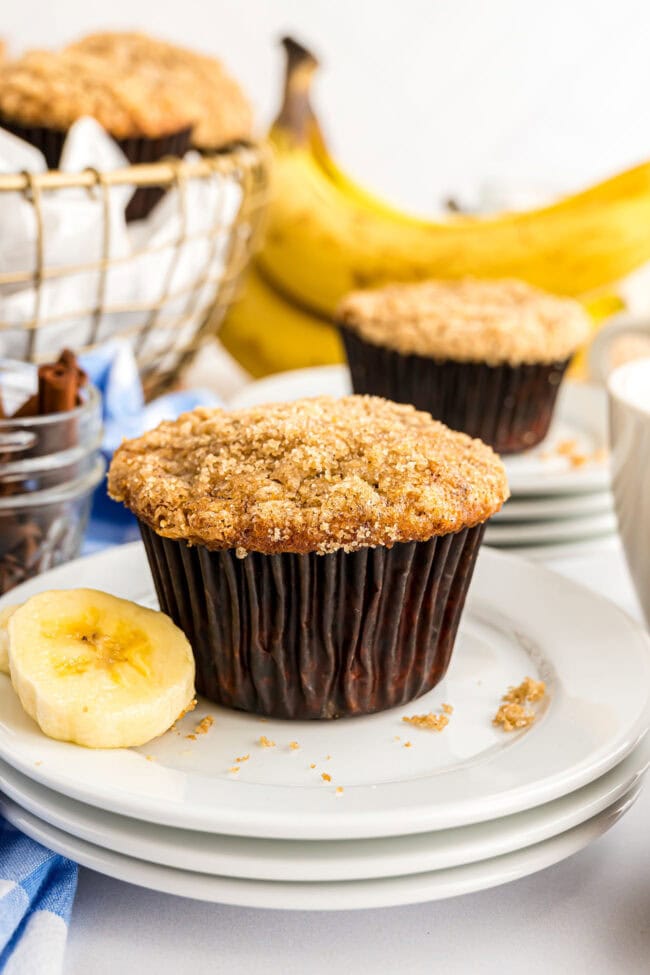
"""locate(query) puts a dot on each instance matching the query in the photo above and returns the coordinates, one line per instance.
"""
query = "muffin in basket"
(220, 111)
(485, 357)
(153, 98)
(317, 554)
(44, 92)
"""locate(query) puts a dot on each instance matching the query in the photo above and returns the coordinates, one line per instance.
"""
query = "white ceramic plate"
(554, 507)
(325, 860)
(595, 660)
(331, 896)
(543, 532)
(580, 418)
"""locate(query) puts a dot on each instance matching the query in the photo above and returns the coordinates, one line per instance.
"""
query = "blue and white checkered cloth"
(37, 888)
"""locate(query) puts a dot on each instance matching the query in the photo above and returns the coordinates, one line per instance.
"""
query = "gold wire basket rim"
(165, 172)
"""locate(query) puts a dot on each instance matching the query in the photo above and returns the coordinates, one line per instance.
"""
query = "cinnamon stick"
(59, 384)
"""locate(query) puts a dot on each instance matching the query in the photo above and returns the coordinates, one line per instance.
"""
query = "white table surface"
(589, 914)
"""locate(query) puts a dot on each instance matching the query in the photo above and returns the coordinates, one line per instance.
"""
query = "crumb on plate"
(528, 690)
(512, 714)
(428, 722)
(266, 742)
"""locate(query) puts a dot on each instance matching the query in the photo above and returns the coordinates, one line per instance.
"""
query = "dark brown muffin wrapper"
(137, 150)
(508, 407)
(317, 636)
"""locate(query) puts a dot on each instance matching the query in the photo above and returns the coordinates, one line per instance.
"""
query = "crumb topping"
(511, 717)
(55, 88)
(265, 742)
(315, 475)
(528, 690)
(576, 457)
(220, 111)
(204, 725)
(428, 722)
(325, 777)
(294, 746)
(513, 714)
(469, 320)
(134, 85)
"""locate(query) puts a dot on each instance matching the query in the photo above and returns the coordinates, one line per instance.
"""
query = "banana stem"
(296, 117)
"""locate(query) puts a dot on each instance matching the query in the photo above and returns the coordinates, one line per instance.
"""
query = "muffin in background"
(317, 554)
(44, 92)
(220, 111)
(155, 99)
(485, 357)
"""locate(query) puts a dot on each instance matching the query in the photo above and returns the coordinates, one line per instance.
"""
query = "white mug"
(629, 415)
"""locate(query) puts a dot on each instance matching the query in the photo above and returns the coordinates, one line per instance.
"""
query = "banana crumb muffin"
(310, 476)
(317, 554)
(219, 110)
(54, 89)
(486, 357)
(154, 98)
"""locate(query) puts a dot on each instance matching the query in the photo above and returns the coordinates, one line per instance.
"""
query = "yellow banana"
(267, 332)
(326, 236)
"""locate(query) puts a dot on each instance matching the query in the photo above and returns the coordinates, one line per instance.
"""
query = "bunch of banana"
(94, 669)
(326, 236)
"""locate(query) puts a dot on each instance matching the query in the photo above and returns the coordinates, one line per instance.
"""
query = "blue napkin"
(37, 888)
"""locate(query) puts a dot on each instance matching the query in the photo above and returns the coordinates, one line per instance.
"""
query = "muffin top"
(54, 89)
(220, 111)
(315, 475)
(469, 320)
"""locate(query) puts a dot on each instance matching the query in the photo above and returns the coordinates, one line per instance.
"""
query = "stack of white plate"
(364, 812)
(561, 503)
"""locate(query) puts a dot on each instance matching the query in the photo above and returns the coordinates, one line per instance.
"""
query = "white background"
(422, 98)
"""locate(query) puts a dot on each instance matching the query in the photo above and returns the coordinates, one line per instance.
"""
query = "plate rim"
(549, 820)
(345, 895)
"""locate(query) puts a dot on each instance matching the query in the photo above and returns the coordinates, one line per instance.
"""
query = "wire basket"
(165, 293)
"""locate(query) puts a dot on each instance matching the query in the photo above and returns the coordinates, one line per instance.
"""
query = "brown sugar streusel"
(220, 111)
(469, 320)
(428, 722)
(56, 88)
(513, 715)
(315, 475)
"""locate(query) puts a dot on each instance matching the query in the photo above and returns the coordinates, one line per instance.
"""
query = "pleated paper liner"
(317, 636)
(508, 407)
(137, 150)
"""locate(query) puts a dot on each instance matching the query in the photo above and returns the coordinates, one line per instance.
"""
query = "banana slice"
(97, 670)
(5, 616)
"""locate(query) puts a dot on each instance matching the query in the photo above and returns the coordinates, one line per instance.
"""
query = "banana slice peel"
(97, 670)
